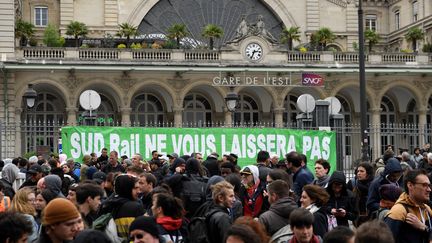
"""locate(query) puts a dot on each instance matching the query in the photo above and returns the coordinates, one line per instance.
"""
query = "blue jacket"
(372, 204)
(301, 177)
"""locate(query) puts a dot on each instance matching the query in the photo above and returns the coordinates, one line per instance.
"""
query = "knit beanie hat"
(390, 192)
(59, 210)
(148, 224)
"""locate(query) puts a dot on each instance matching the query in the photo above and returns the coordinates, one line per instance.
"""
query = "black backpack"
(198, 228)
(193, 195)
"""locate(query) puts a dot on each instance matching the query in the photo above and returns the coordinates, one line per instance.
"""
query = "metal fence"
(43, 137)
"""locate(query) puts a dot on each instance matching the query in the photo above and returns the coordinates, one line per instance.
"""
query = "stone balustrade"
(207, 56)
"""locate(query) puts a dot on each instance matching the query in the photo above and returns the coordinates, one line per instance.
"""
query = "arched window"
(290, 111)
(197, 110)
(412, 112)
(388, 118)
(247, 113)
(147, 109)
(345, 109)
(42, 123)
(412, 130)
(105, 113)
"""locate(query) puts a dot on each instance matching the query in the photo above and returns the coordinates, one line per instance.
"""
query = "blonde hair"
(220, 189)
(20, 202)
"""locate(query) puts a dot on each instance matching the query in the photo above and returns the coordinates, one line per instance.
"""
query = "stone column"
(228, 118)
(71, 116)
(375, 132)
(422, 125)
(278, 112)
(178, 118)
(125, 114)
(18, 143)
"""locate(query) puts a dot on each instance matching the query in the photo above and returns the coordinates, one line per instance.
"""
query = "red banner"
(311, 79)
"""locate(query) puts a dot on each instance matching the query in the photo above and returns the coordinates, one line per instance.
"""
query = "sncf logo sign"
(310, 79)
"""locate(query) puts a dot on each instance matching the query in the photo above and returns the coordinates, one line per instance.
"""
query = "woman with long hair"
(359, 185)
(313, 198)
(168, 212)
(24, 203)
(42, 199)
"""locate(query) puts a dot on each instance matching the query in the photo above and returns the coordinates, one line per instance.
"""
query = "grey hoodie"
(54, 184)
(10, 173)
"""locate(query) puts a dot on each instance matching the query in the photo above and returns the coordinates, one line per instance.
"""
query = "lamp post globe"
(30, 96)
(231, 101)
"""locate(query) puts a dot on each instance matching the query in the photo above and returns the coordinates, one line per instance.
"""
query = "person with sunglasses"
(144, 230)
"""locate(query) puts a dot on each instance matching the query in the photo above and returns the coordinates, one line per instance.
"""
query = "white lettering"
(75, 143)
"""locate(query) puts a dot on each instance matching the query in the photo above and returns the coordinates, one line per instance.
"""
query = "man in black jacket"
(220, 220)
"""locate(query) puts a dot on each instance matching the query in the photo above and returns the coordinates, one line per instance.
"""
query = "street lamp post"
(231, 102)
(363, 104)
(30, 96)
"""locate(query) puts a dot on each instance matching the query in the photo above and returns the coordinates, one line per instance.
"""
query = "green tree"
(372, 37)
(290, 35)
(128, 31)
(177, 32)
(212, 31)
(413, 35)
(76, 29)
(24, 31)
(51, 37)
(323, 36)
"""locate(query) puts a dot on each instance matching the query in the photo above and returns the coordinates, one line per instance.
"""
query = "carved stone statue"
(244, 30)
(18, 9)
(260, 30)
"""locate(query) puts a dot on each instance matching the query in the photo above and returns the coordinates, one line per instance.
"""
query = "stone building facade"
(184, 87)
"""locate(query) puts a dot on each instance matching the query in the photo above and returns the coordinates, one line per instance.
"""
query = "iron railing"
(34, 136)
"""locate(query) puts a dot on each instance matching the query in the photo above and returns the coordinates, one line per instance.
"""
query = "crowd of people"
(172, 198)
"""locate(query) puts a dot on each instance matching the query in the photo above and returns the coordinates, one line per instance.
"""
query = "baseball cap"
(246, 171)
(173, 155)
(99, 177)
(35, 169)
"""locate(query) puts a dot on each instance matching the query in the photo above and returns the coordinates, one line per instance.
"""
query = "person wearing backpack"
(189, 187)
(124, 206)
(281, 206)
(218, 219)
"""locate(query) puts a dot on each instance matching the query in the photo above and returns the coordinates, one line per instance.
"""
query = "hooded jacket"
(9, 175)
(54, 184)
(402, 231)
(252, 197)
(374, 198)
(345, 200)
(278, 214)
(212, 165)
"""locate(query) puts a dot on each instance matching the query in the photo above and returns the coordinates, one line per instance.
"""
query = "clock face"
(254, 51)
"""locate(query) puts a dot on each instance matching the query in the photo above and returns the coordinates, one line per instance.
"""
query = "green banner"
(245, 142)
